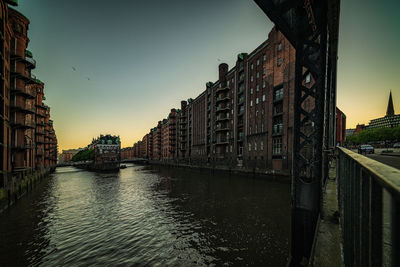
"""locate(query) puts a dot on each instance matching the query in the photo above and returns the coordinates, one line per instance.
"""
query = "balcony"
(223, 108)
(23, 124)
(222, 118)
(40, 123)
(23, 107)
(43, 109)
(28, 79)
(222, 89)
(222, 128)
(40, 131)
(27, 59)
(222, 141)
(222, 98)
(25, 91)
(23, 146)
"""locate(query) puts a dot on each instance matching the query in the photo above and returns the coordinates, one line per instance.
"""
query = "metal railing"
(369, 204)
(22, 106)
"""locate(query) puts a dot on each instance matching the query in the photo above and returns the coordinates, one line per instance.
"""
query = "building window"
(251, 103)
(251, 78)
(256, 129)
(233, 80)
(263, 98)
(264, 71)
(279, 61)
(257, 88)
(279, 46)
(308, 78)
(265, 57)
(257, 100)
(264, 84)
(278, 93)
(250, 130)
(262, 145)
(277, 146)
(277, 126)
(256, 113)
(258, 62)
(251, 91)
(19, 28)
(251, 66)
(249, 146)
(278, 109)
(255, 146)
(258, 74)
(262, 127)
(227, 83)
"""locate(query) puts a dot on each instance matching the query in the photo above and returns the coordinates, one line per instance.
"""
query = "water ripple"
(147, 217)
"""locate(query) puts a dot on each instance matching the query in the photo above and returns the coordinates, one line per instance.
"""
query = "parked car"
(366, 149)
(396, 145)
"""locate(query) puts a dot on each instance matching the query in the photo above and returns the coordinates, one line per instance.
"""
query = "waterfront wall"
(21, 183)
(283, 176)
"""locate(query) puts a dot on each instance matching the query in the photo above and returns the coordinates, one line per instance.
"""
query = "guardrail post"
(365, 215)
(395, 231)
(376, 245)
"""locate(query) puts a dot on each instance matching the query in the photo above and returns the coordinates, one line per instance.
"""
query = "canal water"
(146, 216)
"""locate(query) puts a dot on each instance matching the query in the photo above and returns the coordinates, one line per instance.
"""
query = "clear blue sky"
(143, 57)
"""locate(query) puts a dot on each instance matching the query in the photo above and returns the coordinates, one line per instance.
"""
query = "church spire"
(390, 109)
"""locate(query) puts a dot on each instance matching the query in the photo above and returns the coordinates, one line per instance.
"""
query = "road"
(388, 160)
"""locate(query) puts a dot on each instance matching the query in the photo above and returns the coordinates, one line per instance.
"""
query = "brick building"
(245, 118)
(127, 153)
(340, 127)
(168, 139)
(27, 137)
(67, 155)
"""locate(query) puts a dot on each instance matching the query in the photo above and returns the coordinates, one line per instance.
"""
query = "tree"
(374, 135)
(86, 154)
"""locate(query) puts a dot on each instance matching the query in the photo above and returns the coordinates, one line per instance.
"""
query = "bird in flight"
(73, 68)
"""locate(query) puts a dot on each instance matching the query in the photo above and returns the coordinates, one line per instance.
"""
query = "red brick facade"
(340, 127)
(242, 120)
(27, 137)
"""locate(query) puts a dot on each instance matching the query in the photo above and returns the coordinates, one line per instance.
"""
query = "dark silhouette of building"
(389, 121)
(390, 109)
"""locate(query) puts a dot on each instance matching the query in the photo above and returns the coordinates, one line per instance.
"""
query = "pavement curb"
(390, 154)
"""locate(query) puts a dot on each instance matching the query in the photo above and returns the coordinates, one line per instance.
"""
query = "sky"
(120, 67)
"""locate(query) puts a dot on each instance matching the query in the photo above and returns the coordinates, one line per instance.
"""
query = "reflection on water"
(148, 216)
